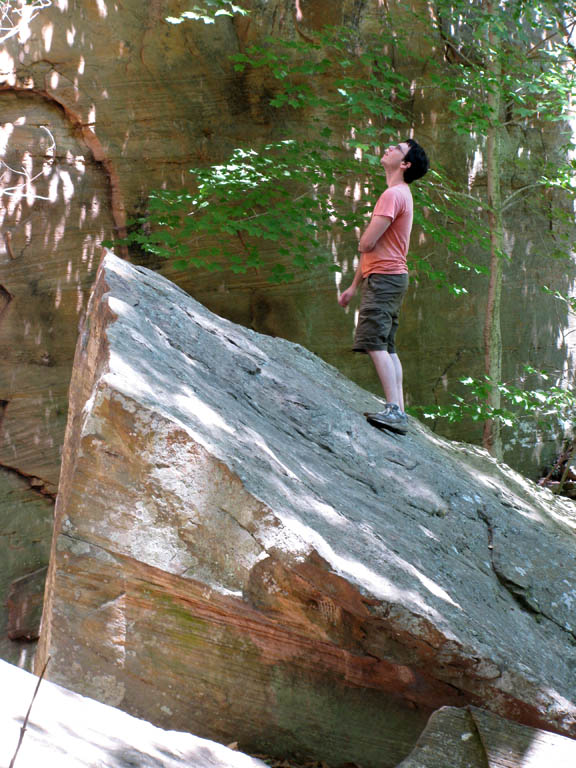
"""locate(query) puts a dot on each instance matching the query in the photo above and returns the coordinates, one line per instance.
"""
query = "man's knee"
(383, 354)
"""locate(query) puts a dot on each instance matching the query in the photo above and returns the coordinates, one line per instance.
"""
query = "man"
(384, 276)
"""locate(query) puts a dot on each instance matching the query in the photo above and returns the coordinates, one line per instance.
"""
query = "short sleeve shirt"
(388, 256)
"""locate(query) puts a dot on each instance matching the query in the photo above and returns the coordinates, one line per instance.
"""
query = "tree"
(510, 63)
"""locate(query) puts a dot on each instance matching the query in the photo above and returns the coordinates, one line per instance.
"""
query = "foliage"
(569, 301)
(300, 208)
(262, 196)
(535, 80)
(300, 197)
(507, 64)
(547, 405)
(284, 195)
(531, 41)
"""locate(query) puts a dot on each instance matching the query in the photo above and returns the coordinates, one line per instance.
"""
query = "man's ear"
(405, 164)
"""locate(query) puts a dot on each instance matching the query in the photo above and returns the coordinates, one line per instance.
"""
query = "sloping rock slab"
(71, 731)
(239, 554)
(474, 738)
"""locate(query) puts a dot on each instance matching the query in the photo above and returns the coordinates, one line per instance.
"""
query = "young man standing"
(384, 276)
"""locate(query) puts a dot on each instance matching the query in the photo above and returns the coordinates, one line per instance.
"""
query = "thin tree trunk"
(492, 328)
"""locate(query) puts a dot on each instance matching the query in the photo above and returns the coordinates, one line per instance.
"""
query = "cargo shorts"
(382, 297)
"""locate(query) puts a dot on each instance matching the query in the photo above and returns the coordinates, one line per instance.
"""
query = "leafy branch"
(547, 404)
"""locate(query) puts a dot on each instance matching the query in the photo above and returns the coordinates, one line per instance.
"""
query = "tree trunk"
(492, 329)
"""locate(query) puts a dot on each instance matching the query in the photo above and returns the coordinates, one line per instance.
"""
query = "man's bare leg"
(398, 371)
(389, 370)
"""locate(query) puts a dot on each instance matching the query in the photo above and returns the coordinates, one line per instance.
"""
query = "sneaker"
(391, 417)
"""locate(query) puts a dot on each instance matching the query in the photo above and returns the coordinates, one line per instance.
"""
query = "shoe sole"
(398, 430)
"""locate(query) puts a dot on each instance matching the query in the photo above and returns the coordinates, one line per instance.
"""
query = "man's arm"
(345, 296)
(373, 232)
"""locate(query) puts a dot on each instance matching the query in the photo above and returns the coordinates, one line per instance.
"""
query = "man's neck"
(395, 177)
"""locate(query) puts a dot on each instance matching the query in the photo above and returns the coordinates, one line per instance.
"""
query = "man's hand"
(346, 296)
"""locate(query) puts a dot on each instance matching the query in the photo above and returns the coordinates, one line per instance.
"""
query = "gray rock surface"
(72, 731)
(239, 553)
(473, 738)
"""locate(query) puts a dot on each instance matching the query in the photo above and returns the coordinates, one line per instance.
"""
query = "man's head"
(409, 157)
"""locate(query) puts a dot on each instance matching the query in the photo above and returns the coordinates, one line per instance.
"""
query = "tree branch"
(508, 200)
(25, 723)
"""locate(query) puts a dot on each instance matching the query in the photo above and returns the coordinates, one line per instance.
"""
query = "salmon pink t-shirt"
(388, 256)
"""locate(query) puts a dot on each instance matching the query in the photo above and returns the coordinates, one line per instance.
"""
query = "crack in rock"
(519, 593)
(5, 300)
(3, 405)
(36, 484)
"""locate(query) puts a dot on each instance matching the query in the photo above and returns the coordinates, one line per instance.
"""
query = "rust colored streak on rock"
(310, 598)
(277, 641)
(94, 144)
(8, 244)
(37, 484)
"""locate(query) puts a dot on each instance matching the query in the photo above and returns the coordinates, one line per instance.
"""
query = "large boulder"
(474, 738)
(72, 731)
(238, 553)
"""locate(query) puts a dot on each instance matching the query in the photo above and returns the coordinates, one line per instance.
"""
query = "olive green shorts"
(382, 297)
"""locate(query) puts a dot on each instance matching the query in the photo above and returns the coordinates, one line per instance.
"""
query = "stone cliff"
(238, 553)
(132, 103)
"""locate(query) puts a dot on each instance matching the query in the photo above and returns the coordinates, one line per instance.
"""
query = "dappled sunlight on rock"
(47, 35)
(47, 260)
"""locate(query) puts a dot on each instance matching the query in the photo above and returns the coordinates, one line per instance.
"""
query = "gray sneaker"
(391, 417)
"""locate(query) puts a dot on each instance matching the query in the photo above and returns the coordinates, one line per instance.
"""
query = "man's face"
(393, 156)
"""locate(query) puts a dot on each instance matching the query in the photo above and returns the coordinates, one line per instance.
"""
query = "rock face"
(132, 103)
(239, 554)
(474, 738)
(75, 732)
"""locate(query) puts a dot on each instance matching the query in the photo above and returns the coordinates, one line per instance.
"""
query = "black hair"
(418, 161)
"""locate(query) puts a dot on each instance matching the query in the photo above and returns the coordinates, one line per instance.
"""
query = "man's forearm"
(345, 297)
(357, 276)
